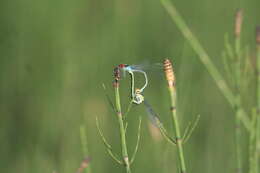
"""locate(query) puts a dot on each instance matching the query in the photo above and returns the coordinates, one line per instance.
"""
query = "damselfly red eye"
(122, 65)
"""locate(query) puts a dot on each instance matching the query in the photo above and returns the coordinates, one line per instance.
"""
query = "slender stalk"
(204, 57)
(257, 153)
(121, 123)
(258, 99)
(172, 90)
(84, 165)
(238, 106)
(107, 145)
(252, 146)
(177, 128)
(137, 142)
(238, 141)
(84, 146)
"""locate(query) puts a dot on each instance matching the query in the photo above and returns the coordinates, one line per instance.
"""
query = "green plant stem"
(122, 129)
(238, 106)
(84, 145)
(252, 146)
(204, 57)
(238, 141)
(177, 129)
(257, 154)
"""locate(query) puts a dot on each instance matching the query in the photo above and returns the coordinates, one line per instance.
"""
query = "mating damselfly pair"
(137, 94)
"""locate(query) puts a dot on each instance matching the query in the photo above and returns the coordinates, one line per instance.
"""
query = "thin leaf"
(187, 129)
(107, 145)
(138, 140)
(128, 109)
(194, 125)
(228, 47)
(228, 68)
(166, 135)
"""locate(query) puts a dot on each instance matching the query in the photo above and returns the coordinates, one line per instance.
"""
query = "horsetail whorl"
(168, 69)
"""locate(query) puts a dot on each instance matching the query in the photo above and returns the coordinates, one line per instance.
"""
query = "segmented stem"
(238, 106)
(121, 123)
(258, 99)
(85, 163)
(172, 90)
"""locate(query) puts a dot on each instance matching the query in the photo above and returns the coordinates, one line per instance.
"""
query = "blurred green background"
(55, 55)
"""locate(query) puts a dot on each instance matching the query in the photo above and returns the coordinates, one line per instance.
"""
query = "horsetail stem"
(120, 120)
(238, 106)
(257, 153)
(85, 163)
(172, 90)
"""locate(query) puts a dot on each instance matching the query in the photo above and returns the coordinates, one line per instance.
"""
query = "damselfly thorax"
(131, 69)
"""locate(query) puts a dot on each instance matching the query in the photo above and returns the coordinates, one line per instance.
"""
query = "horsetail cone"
(238, 22)
(116, 77)
(168, 69)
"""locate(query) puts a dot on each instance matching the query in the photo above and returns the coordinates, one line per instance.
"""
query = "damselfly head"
(123, 66)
